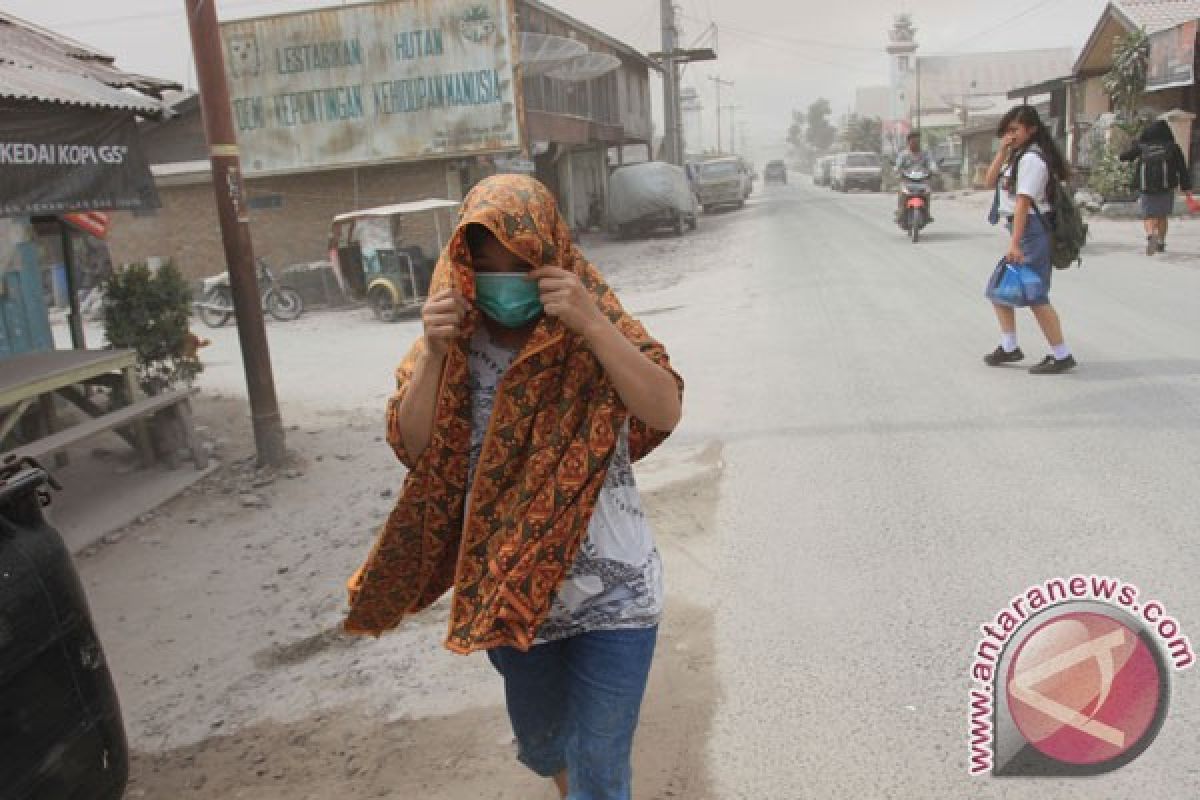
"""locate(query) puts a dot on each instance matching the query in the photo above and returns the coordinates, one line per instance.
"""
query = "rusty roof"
(1159, 15)
(47, 86)
(39, 64)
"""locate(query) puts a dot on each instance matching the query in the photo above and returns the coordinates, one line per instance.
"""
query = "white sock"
(1008, 342)
(1061, 351)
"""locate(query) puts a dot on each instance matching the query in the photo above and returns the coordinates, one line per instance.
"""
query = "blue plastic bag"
(1014, 285)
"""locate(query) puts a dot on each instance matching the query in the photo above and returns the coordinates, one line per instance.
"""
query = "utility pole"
(235, 229)
(717, 80)
(732, 109)
(918, 94)
(671, 110)
(670, 58)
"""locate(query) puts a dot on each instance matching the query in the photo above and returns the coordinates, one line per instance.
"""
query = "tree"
(1125, 83)
(796, 131)
(820, 134)
(863, 134)
(148, 311)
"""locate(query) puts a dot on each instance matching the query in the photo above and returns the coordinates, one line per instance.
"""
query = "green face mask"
(508, 297)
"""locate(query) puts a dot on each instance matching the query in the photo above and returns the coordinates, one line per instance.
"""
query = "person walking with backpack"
(1027, 170)
(1160, 170)
(520, 413)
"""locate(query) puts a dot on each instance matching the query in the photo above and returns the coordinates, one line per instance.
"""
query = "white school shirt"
(1033, 179)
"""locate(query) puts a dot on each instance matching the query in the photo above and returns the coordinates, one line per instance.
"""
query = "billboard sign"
(372, 83)
(1172, 58)
(55, 159)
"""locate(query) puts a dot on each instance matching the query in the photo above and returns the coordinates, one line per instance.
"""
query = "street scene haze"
(560, 400)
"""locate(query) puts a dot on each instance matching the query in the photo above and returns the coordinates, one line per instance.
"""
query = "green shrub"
(1110, 177)
(148, 311)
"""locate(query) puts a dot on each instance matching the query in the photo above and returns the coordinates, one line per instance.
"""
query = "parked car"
(823, 171)
(722, 182)
(61, 733)
(643, 197)
(857, 171)
(775, 172)
(751, 176)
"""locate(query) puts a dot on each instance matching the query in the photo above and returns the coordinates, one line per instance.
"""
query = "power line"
(794, 40)
(1020, 15)
(767, 42)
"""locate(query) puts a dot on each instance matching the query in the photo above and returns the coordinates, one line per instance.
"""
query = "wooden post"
(141, 429)
(235, 229)
(75, 317)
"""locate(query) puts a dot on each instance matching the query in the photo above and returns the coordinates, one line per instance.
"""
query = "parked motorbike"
(916, 189)
(216, 305)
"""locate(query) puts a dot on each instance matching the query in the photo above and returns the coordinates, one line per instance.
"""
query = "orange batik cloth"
(553, 432)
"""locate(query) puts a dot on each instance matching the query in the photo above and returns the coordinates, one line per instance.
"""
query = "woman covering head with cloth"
(1026, 170)
(519, 414)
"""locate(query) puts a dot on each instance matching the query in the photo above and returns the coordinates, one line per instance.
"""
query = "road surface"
(884, 494)
(851, 495)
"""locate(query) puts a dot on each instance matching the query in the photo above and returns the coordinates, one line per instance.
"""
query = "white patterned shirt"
(616, 581)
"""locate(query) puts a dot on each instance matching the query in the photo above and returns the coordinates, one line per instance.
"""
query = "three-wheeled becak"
(386, 255)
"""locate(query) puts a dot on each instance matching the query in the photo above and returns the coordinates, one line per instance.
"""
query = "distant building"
(1171, 86)
(571, 114)
(955, 88)
(901, 50)
(65, 109)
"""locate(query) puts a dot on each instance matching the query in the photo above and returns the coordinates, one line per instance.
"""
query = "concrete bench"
(179, 402)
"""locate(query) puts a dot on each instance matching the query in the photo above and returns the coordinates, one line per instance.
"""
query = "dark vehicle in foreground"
(775, 172)
(644, 197)
(61, 734)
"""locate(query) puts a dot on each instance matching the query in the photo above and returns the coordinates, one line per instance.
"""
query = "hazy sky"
(781, 54)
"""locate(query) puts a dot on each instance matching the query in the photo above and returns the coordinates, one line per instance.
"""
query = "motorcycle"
(216, 307)
(916, 190)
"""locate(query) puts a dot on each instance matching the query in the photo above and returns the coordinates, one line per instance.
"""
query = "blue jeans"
(574, 706)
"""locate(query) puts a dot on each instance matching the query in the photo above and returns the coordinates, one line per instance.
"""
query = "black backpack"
(1154, 173)
(1068, 234)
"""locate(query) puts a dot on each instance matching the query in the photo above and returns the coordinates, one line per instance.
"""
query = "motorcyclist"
(912, 157)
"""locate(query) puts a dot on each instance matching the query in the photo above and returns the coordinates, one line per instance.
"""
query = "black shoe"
(1053, 366)
(1162, 246)
(1001, 356)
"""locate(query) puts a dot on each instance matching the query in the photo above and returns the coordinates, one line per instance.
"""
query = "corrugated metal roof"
(47, 86)
(1159, 15)
(39, 64)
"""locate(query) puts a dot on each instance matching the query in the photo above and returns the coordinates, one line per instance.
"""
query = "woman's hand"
(564, 296)
(443, 317)
(1015, 254)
